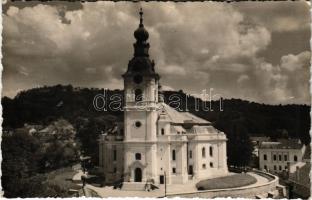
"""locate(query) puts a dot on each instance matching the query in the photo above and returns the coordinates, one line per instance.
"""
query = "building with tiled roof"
(281, 156)
(282, 144)
(155, 140)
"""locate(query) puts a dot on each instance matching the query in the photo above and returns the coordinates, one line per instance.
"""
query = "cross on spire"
(141, 17)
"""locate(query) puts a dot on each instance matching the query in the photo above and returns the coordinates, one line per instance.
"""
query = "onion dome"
(141, 34)
(141, 63)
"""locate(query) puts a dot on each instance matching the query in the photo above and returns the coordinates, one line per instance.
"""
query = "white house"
(156, 141)
(282, 155)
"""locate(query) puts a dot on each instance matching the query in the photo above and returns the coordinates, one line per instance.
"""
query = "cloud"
(285, 83)
(173, 70)
(242, 78)
(277, 16)
(166, 88)
(295, 62)
(195, 46)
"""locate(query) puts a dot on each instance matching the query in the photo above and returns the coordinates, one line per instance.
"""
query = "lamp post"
(165, 183)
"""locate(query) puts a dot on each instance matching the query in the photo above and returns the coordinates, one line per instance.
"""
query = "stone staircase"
(133, 186)
(138, 186)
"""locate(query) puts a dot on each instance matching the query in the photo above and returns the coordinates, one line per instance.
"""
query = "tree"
(88, 132)
(239, 146)
(26, 157)
(62, 150)
(20, 160)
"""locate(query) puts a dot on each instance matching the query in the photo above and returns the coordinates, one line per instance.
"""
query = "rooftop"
(180, 117)
(282, 144)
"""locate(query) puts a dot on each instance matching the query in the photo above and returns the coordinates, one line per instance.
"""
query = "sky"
(257, 51)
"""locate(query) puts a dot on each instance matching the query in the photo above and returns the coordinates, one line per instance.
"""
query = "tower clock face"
(137, 79)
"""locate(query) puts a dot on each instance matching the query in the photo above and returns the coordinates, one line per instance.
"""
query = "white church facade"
(155, 142)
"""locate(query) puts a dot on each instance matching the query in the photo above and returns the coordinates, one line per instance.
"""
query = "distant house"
(281, 156)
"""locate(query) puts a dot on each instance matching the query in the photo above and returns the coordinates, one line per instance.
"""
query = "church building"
(155, 142)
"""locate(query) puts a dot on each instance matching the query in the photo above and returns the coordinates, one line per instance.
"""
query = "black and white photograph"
(192, 99)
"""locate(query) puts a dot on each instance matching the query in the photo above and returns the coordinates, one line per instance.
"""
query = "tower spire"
(141, 17)
(141, 33)
(141, 63)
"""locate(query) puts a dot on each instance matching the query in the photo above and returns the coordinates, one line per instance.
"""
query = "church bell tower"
(140, 111)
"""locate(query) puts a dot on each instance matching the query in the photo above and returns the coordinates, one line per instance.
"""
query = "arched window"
(138, 95)
(264, 157)
(274, 157)
(211, 151)
(173, 155)
(204, 166)
(162, 131)
(203, 152)
(138, 156)
(295, 158)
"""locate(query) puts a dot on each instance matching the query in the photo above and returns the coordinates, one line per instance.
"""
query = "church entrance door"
(137, 175)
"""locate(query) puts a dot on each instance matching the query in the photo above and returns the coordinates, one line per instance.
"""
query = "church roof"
(180, 117)
(203, 130)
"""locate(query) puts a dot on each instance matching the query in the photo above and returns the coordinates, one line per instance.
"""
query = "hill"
(43, 105)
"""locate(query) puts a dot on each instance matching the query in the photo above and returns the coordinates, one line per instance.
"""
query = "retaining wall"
(246, 191)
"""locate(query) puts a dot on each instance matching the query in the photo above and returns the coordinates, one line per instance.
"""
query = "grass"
(233, 181)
